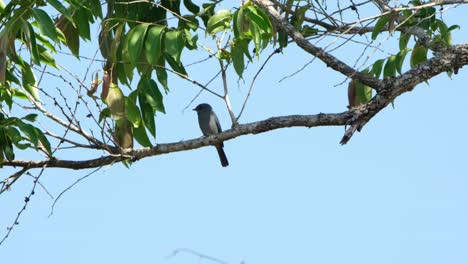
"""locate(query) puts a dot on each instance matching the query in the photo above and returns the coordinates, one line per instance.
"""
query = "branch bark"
(338, 119)
(324, 56)
(451, 60)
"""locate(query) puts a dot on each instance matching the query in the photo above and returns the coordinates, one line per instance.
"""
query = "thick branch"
(351, 28)
(339, 119)
(452, 59)
(324, 56)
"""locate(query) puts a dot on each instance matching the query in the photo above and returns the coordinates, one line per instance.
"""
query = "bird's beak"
(194, 109)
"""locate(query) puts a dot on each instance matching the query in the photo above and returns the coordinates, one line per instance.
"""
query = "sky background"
(396, 193)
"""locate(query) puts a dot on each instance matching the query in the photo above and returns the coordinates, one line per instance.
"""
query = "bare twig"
(226, 94)
(253, 81)
(69, 187)
(193, 252)
(27, 199)
(9, 181)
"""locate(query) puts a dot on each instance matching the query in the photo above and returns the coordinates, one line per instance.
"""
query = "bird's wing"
(218, 125)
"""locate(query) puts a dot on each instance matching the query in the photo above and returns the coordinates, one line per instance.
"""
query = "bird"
(209, 125)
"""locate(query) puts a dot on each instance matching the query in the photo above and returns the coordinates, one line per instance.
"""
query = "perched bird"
(209, 125)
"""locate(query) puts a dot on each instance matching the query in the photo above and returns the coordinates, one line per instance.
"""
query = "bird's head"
(202, 108)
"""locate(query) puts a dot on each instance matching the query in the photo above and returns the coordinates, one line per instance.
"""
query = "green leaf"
(30, 117)
(453, 27)
(95, 8)
(132, 112)
(9, 154)
(153, 95)
(445, 34)
(380, 25)
(30, 133)
(161, 74)
(219, 21)
(390, 67)
(426, 16)
(308, 31)
(121, 74)
(359, 93)
(418, 55)
(264, 25)
(174, 44)
(128, 67)
(245, 47)
(12, 78)
(61, 8)
(44, 142)
(266, 18)
(5, 147)
(2, 6)
(153, 44)
(46, 57)
(135, 41)
(177, 67)
(257, 37)
(80, 18)
(139, 133)
(404, 39)
(148, 117)
(364, 93)
(22, 146)
(400, 58)
(42, 39)
(133, 96)
(191, 6)
(237, 55)
(124, 70)
(235, 24)
(32, 44)
(299, 15)
(190, 41)
(206, 12)
(19, 94)
(29, 81)
(188, 22)
(282, 38)
(147, 110)
(223, 55)
(377, 67)
(239, 23)
(105, 113)
(46, 25)
(143, 67)
(13, 134)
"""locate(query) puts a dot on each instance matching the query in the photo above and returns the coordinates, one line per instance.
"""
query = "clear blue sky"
(397, 193)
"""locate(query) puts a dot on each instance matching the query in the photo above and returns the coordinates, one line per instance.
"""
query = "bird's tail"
(222, 156)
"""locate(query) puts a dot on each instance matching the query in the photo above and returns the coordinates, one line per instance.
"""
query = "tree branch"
(324, 56)
(339, 119)
(451, 60)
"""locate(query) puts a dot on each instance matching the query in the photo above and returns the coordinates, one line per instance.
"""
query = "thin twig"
(69, 187)
(253, 81)
(193, 252)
